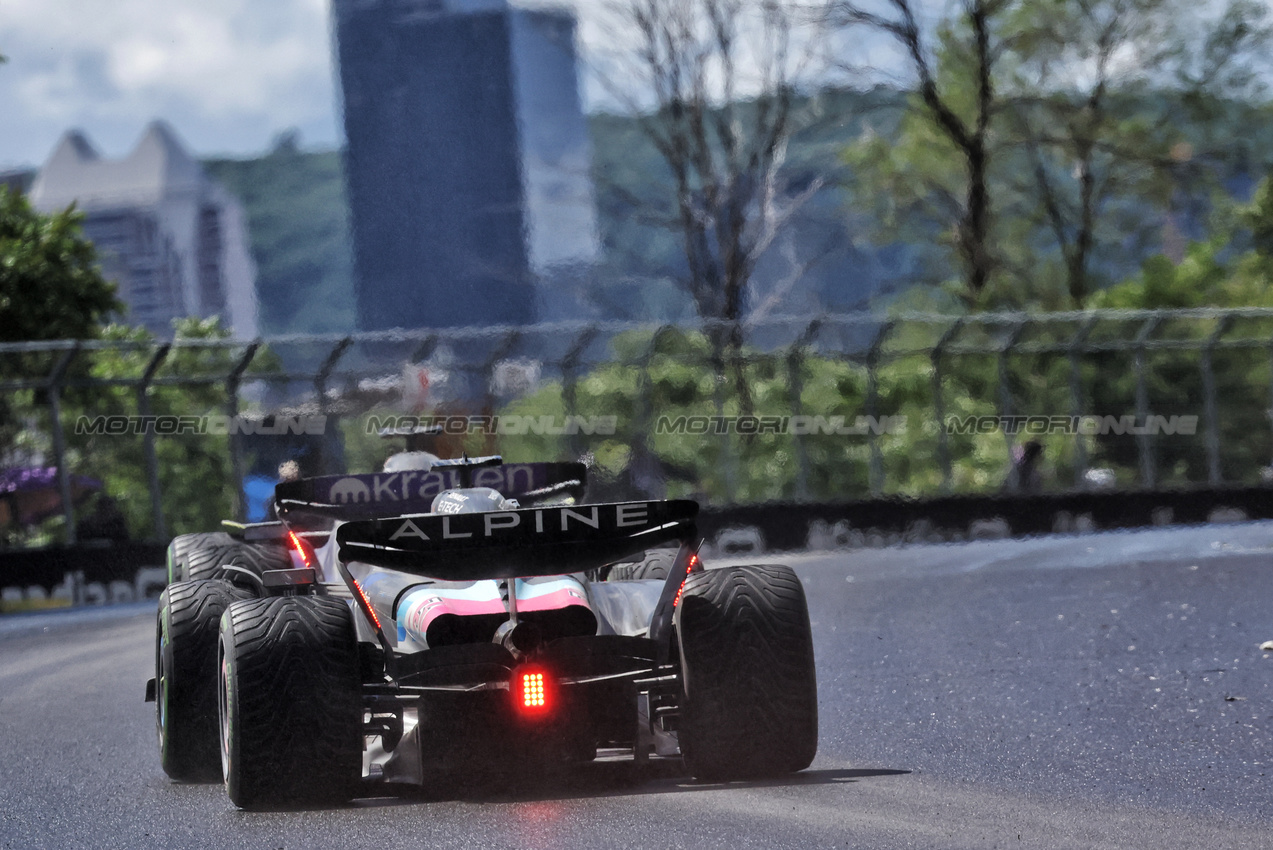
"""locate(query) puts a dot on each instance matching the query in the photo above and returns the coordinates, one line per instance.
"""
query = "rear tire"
(186, 677)
(749, 704)
(290, 702)
(179, 551)
(201, 556)
(656, 564)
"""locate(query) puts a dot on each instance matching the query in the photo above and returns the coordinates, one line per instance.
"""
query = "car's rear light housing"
(533, 690)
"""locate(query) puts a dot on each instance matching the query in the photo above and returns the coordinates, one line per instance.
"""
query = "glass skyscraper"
(468, 159)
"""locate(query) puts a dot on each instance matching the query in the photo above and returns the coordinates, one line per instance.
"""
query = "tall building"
(174, 240)
(467, 162)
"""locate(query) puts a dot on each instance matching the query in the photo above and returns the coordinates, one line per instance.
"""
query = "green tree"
(946, 153)
(1210, 274)
(50, 288)
(1097, 127)
(195, 475)
(50, 283)
(653, 382)
(1046, 136)
(725, 150)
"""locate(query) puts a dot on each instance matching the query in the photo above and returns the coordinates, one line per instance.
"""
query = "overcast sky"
(229, 75)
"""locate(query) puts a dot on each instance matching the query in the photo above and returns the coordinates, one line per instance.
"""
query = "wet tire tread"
(201, 555)
(299, 711)
(748, 669)
(192, 609)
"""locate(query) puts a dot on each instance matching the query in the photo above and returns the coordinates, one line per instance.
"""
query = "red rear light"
(366, 605)
(304, 549)
(532, 691)
(691, 564)
(679, 592)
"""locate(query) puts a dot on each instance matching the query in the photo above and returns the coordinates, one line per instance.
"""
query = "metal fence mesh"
(819, 409)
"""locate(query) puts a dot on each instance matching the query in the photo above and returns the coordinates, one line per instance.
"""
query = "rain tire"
(202, 556)
(186, 630)
(656, 564)
(749, 699)
(290, 702)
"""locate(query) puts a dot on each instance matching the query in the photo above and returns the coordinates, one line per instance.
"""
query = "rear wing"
(379, 494)
(516, 544)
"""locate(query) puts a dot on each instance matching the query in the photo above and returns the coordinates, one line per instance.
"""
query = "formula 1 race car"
(394, 627)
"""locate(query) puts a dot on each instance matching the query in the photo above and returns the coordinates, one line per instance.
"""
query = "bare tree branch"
(969, 137)
(717, 82)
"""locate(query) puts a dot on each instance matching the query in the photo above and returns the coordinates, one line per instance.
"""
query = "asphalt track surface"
(1104, 690)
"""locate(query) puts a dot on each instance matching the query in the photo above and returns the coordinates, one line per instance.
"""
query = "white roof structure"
(174, 240)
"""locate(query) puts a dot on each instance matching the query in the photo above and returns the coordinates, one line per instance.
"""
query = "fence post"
(148, 441)
(1006, 407)
(320, 391)
(730, 460)
(1073, 352)
(232, 410)
(939, 405)
(795, 383)
(1145, 448)
(54, 388)
(569, 383)
(1209, 401)
(876, 468)
(424, 350)
(643, 430)
(325, 371)
(488, 376)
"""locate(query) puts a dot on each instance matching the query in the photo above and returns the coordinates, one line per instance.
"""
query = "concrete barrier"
(94, 593)
(101, 573)
(886, 521)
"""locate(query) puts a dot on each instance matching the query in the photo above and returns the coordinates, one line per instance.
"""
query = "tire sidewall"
(227, 709)
(163, 678)
(186, 635)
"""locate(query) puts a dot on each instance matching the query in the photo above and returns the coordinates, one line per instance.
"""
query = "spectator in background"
(1024, 476)
(288, 470)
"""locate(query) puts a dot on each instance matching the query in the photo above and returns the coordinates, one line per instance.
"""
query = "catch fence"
(810, 409)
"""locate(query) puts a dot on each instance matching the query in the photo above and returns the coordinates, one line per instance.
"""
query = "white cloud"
(228, 73)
